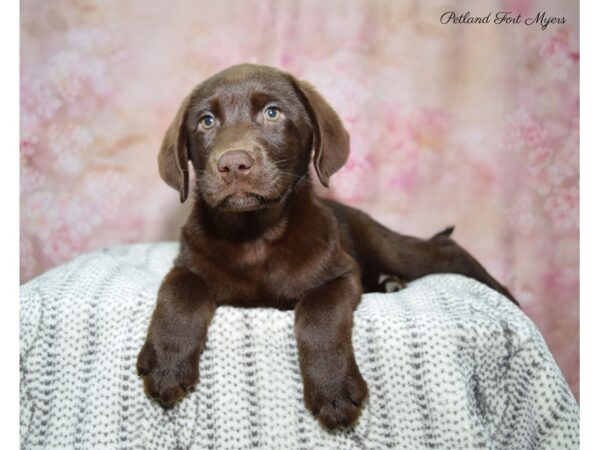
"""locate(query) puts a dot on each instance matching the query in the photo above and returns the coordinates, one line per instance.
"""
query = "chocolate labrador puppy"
(258, 236)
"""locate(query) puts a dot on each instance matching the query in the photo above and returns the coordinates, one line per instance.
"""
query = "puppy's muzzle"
(235, 164)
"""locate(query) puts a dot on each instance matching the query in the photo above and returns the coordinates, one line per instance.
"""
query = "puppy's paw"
(166, 382)
(337, 405)
(390, 283)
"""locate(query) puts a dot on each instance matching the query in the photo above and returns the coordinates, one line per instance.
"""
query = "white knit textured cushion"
(449, 363)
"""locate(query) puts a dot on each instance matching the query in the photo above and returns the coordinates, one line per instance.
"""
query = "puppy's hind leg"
(387, 252)
(461, 261)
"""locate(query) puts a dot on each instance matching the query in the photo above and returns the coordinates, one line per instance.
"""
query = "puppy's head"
(249, 133)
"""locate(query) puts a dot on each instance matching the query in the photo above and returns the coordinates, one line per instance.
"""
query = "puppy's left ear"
(331, 142)
(173, 156)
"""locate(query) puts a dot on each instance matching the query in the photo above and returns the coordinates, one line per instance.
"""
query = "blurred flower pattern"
(471, 125)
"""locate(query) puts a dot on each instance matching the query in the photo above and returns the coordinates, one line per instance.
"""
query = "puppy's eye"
(207, 121)
(272, 114)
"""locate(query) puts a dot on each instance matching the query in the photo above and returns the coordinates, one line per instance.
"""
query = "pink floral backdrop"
(471, 125)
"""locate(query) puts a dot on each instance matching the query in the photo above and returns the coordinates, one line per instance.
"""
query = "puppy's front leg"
(169, 358)
(333, 387)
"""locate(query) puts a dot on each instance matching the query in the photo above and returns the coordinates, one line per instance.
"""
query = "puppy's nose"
(234, 163)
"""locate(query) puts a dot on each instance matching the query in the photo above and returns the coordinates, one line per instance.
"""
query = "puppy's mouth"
(246, 201)
(252, 192)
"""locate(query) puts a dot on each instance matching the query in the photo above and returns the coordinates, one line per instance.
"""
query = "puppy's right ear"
(173, 156)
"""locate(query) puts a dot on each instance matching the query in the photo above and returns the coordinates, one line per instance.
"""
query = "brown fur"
(260, 237)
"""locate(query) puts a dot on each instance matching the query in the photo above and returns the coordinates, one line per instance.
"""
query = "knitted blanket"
(450, 364)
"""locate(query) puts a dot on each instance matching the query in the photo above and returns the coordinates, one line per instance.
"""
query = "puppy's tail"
(445, 232)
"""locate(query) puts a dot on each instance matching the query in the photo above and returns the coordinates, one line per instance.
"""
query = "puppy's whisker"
(297, 179)
(291, 175)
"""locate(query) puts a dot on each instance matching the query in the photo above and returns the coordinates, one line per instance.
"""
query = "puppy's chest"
(258, 265)
(253, 255)
(261, 274)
